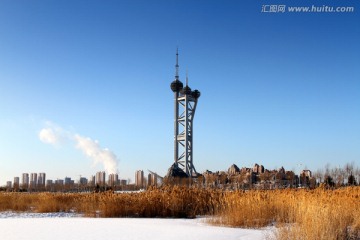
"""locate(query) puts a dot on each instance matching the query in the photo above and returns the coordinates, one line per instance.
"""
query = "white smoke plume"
(93, 150)
(47, 135)
(56, 136)
(53, 134)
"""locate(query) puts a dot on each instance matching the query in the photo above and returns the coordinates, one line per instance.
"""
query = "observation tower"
(185, 101)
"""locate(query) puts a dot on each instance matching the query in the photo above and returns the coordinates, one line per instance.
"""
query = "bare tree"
(327, 170)
(341, 177)
(357, 175)
(337, 175)
(319, 174)
(348, 168)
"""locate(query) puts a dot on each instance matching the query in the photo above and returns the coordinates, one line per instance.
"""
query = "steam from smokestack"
(56, 136)
(47, 135)
(93, 150)
(53, 134)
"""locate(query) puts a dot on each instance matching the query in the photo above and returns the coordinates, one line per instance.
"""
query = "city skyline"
(84, 86)
(39, 181)
(257, 176)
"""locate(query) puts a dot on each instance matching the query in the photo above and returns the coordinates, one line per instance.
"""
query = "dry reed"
(297, 213)
(178, 202)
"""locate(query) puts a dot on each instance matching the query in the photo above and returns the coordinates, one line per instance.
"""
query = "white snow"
(37, 215)
(65, 226)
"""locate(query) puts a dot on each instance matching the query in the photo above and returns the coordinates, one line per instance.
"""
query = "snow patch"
(37, 215)
(60, 226)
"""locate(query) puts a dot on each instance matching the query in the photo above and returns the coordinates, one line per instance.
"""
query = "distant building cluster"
(257, 177)
(153, 179)
(37, 182)
(32, 181)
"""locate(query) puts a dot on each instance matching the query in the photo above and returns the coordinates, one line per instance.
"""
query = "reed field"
(297, 213)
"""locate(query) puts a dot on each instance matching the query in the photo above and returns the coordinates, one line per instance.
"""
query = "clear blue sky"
(278, 89)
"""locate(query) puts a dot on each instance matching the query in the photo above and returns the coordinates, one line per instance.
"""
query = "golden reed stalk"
(297, 213)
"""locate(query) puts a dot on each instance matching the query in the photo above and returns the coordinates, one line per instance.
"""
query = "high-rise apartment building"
(152, 179)
(113, 179)
(100, 178)
(49, 185)
(33, 180)
(139, 178)
(83, 181)
(25, 181)
(59, 182)
(92, 180)
(49, 182)
(16, 183)
(41, 179)
(68, 181)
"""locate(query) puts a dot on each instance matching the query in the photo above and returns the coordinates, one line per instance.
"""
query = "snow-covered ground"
(64, 226)
(37, 215)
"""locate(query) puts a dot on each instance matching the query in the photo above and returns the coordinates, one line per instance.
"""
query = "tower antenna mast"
(177, 65)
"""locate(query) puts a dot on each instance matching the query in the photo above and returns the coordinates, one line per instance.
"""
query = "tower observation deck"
(185, 101)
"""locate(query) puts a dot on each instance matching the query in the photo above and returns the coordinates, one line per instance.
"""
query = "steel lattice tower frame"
(185, 102)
